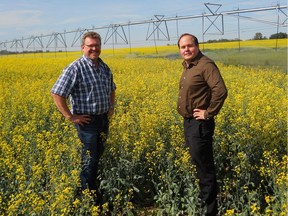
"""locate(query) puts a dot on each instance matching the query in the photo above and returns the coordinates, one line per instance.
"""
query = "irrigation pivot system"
(158, 29)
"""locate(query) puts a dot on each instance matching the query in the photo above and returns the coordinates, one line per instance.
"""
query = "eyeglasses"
(97, 46)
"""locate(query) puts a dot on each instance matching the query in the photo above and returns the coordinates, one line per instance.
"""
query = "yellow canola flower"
(40, 151)
(254, 208)
(229, 212)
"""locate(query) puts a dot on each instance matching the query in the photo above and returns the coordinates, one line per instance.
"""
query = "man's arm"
(64, 109)
(218, 93)
(112, 102)
(62, 105)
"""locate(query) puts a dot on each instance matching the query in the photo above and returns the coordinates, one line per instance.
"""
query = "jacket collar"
(193, 62)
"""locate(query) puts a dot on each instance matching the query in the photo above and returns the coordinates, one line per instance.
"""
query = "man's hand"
(79, 119)
(110, 112)
(199, 114)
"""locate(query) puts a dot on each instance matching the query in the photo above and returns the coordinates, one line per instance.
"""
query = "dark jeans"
(93, 136)
(198, 136)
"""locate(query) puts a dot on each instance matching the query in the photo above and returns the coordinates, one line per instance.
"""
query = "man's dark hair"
(195, 39)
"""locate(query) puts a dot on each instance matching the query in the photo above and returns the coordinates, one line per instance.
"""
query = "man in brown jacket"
(202, 93)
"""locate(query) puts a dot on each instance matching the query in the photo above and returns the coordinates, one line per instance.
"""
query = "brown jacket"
(201, 86)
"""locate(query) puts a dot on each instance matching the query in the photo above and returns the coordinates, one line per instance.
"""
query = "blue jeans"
(93, 136)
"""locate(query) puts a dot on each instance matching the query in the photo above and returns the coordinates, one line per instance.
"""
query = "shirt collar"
(90, 62)
(193, 62)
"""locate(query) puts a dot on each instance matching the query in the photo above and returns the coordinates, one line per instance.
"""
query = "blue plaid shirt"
(89, 88)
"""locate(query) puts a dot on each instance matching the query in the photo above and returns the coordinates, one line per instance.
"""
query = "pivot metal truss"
(57, 37)
(36, 39)
(16, 43)
(157, 28)
(116, 32)
(113, 31)
(215, 18)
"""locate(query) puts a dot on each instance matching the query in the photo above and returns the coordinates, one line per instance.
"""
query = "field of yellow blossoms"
(145, 169)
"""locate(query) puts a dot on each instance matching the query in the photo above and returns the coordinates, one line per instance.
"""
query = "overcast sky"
(26, 18)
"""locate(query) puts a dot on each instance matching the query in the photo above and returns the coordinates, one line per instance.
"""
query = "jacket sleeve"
(217, 87)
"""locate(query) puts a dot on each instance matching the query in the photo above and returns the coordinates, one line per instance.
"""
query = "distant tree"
(222, 40)
(258, 36)
(4, 52)
(278, 35)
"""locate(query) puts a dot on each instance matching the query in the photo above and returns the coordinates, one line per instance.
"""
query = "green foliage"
(254, 57)
(145, 168)
(278, 35)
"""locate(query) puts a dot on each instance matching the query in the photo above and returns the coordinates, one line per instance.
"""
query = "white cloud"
(20, 18)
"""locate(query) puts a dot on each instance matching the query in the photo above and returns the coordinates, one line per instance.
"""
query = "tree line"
(280, 35)
(258, 36)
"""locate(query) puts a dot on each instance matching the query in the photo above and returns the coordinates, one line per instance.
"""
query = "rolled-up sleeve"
(65, 83)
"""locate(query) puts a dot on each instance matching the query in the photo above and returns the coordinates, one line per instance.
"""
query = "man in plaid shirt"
(88, 82)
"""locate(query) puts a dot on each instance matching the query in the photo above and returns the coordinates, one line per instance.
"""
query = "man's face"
(187, 48)
(91, 48)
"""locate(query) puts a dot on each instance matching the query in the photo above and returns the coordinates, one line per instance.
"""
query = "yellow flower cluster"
(40, 152)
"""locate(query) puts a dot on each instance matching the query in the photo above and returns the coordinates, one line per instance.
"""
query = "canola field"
(145, 169)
